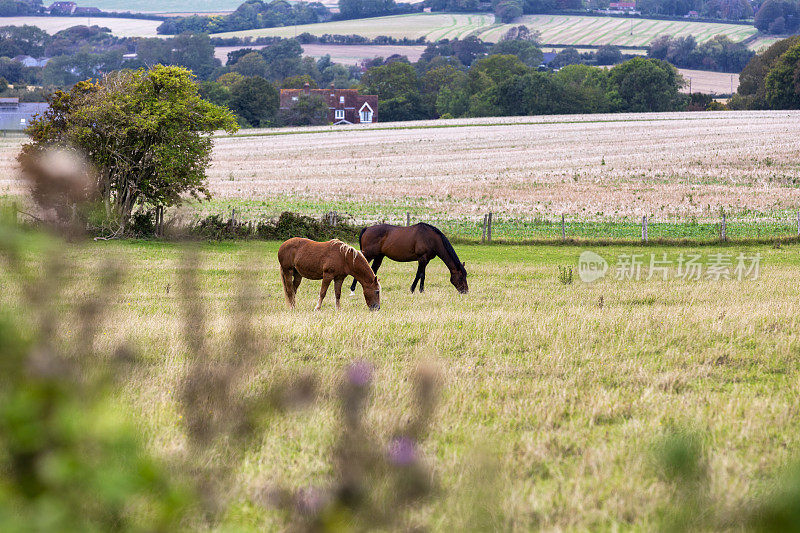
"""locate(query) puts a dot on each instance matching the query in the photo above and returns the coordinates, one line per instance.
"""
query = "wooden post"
(489, 228)
(798, 222)
(724, 227)
(644, 228)
(15, 216)
(563, 229)
(408, 218)
(483, 237)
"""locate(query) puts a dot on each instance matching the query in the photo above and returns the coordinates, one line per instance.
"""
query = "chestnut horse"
(420, 242)
(329, 261)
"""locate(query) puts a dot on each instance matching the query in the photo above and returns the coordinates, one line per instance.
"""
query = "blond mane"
(349, 251)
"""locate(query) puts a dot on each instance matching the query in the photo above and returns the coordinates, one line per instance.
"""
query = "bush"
(286, 226)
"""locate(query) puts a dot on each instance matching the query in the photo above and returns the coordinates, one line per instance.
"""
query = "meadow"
(119, 26)
(554, 397)
(555, 29)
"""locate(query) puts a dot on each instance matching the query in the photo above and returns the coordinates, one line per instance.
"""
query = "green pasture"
(554, 396)
(508, 227)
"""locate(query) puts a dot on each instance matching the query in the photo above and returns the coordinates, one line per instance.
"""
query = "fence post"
(563, 229)
(724, 228)
(798, 223)
(483, 237)
(644, 228)
(489, 228)
(408, 218)
(15, 216)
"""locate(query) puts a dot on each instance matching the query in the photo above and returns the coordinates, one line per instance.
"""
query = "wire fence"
(493, 228)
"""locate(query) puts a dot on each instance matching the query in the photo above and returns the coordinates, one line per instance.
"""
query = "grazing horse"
(329, 261)
(420, 242)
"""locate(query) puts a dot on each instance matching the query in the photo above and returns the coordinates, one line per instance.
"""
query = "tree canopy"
(145, 132)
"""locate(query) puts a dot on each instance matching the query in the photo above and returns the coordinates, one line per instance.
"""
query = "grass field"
(119, 27)
(555, 29)
(563, 398)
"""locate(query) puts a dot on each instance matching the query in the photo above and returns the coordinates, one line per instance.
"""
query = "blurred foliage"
(682, 462)
(73, 458)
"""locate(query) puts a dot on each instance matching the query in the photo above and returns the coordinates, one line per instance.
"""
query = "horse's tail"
(360, 236)
(288, 286)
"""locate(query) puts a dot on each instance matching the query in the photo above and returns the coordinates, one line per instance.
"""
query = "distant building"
(345, 106)
(86, 11)
(29, 61)
(16, 115)
(692, 15)
(622, 6)
(62, 8)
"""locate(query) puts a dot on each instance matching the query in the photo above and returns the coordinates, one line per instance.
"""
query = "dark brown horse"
(420, 242)
(329, 261)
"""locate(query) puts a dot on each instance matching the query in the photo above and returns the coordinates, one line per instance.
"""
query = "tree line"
(770, 79)
(254, 14)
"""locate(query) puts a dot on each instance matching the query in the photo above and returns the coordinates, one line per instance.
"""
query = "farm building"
(345, 106)
(62, 8)
(16, 115)
(622, 6)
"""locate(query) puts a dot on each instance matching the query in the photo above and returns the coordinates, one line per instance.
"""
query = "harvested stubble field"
(704, 81)
(120, 27)
(671, 167)
(340, 53)
(555, 29)
(551, 405)
(603, 172)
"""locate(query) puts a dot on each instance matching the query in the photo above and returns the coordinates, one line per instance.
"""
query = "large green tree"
(145, 132)
(255, 100)
(646, 85)
(783, 81)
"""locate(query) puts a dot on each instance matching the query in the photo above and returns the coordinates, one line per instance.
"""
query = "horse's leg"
(423, 265)
(297, 279)
(337, 290)
(420, 273)
(289, 287)
(322, 291)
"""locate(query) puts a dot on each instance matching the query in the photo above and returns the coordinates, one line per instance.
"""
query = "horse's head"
(458, 278)
(372, 294)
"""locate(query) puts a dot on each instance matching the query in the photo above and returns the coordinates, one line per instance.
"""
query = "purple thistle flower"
(402, 451)
(359, 373)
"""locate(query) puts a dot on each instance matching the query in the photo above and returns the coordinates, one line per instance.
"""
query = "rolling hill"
(555, 29)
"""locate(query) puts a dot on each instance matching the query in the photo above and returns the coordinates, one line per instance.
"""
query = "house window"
(365, 113)
(341, 99)
(339, 114)
(294, 98)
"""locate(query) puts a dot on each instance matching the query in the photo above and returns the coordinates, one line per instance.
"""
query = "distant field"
(164, 6)
(345, 54)
(556, 29)
(120, 27)
(703, 81)
(762, 43)
(667, 165)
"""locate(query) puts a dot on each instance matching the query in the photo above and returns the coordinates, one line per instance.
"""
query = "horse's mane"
(447, 247)
(346, 250)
